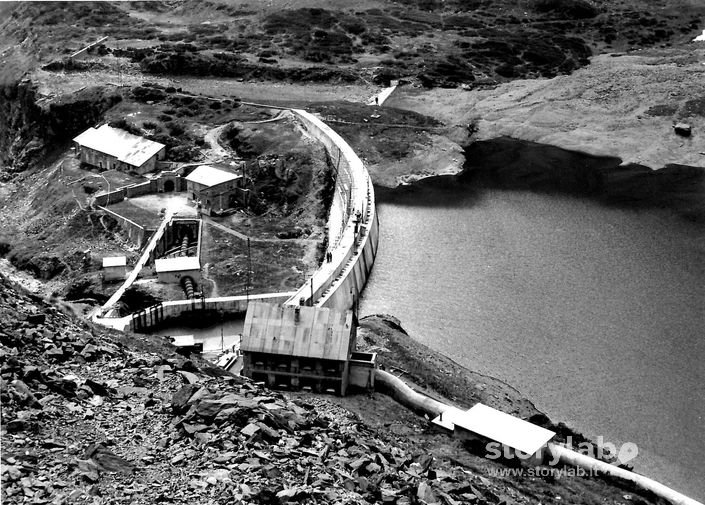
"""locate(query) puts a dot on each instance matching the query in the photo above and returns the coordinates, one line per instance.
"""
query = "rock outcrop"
(30, 124)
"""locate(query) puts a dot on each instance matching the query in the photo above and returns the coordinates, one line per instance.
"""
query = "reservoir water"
(595, 313)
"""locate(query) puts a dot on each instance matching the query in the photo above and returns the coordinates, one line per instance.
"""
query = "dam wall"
(353, 227)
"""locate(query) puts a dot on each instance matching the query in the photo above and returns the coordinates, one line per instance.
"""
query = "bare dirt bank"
(623, 106)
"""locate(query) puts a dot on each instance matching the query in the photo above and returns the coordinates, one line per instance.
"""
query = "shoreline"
(440, 377)
(513, 164)
(620, 105)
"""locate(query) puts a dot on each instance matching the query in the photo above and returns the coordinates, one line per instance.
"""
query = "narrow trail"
(218, 152)
(205, 274)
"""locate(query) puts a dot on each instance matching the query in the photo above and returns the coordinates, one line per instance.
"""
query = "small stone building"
(114, 268)
(111, 148)
(298, 347)
(215, 189)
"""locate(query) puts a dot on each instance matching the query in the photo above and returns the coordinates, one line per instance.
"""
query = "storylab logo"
(601, 450)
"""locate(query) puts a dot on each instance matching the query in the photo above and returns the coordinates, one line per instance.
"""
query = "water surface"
(595, 313)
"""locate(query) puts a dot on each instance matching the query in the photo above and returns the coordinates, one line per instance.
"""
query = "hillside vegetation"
(439, 43)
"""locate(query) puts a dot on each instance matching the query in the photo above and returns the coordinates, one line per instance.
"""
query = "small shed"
(298, 347)
(514, 437)
(173, 270)
(111, 148)
(114, 268)
(214, 188)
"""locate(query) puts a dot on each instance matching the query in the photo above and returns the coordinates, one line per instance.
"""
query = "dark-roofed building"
(215, 189)
(298, 346)
(112, 148)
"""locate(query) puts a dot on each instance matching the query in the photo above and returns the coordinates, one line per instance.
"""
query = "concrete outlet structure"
(497, 434)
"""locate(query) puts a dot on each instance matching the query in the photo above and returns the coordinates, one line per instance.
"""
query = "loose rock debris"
(90, 418)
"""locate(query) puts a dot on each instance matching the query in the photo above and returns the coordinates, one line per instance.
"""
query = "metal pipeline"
(184, 246)
(573, 458)
(401, 392)
(189, 287)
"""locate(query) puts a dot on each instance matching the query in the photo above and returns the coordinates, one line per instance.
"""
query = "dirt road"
(217, 151)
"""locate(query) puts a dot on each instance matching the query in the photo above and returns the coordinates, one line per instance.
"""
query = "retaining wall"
(110, 306)
(115, 196)
(143, 188)
(157, 314)
(155, 185)
(136, 233)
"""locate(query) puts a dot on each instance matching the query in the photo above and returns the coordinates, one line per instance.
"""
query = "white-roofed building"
(173, 270)
(511, 434)
(112, 148)
(214, 188)
(114, 268)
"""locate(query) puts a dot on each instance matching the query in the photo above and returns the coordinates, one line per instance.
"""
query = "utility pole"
(118, 66)
(312, 291)
(249, 267)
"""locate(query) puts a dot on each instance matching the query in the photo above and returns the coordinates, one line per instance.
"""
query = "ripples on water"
(595, 313)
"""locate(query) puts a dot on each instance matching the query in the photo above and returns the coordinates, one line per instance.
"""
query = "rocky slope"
(104, 417)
